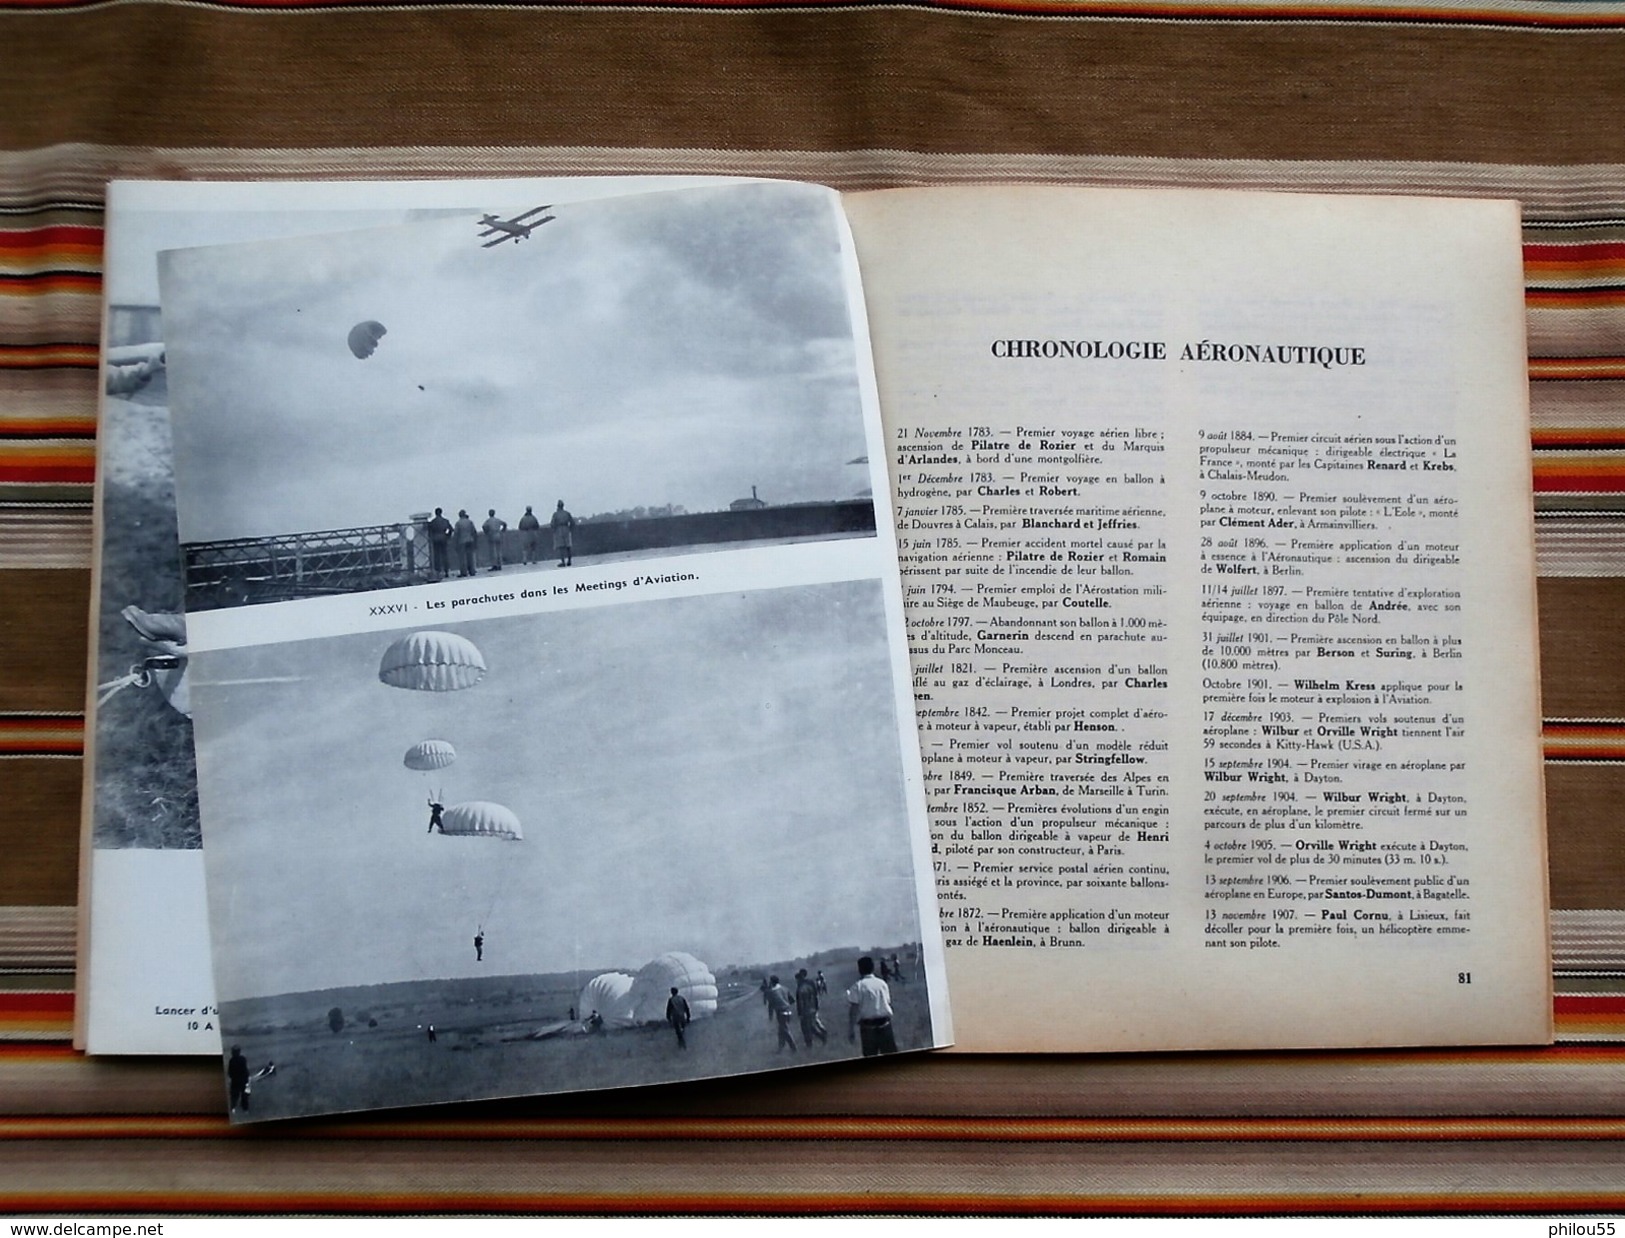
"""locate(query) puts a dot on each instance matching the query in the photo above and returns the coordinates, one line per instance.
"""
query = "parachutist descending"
(435, 823)
(363, 338)
(479, 945)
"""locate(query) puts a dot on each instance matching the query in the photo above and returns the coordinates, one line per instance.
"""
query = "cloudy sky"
(717, 774)
(666, 348)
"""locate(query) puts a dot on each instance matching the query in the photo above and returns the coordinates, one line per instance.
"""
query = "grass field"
(146, 775)
(382, 1056)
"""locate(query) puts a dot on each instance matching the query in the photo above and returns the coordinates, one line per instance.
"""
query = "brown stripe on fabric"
(1575, 332)
(1582, 648)
(1590, 402)
(49, 393)
(1586, 835)
(957, 1129)
(1588, 950)
(39, 819)
(36, 940)
(935, 81)
(44, 629)
(49, 317)
(251, 1174)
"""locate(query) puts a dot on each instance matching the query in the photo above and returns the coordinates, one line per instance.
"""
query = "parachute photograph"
(431, 754)
(580, 848)
(335, 398)
(364, 337)
(432, 662)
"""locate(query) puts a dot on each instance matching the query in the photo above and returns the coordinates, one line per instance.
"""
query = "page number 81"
(1464, 977)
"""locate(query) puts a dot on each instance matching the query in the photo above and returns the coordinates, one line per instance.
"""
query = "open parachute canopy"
(364, 337)
(611, 996)
(481, 819)
(430, 754)
(652, 986)
(432, 662)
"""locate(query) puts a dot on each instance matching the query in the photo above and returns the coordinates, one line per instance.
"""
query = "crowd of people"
(868, 1005)
(460, 542)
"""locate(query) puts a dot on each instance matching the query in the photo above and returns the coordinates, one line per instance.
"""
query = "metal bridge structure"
(245, 570)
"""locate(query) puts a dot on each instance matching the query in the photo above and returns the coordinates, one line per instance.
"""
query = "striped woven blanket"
(1503, 98)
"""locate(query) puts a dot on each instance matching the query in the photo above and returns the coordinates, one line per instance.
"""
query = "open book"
(1214, 526)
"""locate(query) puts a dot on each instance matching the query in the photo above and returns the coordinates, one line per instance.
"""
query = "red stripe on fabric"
(1537, 252)
(40, 474)
(52, 234)
(1559, 481)
(1588, 1004)
(14, 1003)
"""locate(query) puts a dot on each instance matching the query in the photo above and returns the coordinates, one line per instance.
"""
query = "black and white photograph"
(580, 849)
(528, 391)
(144, 939)
(145, 781)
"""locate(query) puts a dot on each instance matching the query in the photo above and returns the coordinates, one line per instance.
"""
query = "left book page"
(553, 717)
(145, 985)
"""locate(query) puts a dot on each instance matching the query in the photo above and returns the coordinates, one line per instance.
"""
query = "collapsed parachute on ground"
(430, 754)
(652, 986)
(611, 996)
(364, 337)
(432, 662)
(481, 819)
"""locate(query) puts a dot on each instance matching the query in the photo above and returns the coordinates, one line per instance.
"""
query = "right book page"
(1215, 521)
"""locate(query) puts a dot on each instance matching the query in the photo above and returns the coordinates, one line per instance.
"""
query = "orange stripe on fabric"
(1551, 369)
(45, 256)
(1573, 298)
(87, 282)
(1579, 436)
(1577, 476)
(1567, 741)
(1557, 368)
(58, 426)
(23, 356)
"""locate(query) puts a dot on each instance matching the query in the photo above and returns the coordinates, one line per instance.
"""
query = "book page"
(1215, 521)
(553, 712)
(144, 973)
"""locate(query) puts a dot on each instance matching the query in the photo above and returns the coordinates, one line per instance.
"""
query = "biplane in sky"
(515, 229)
